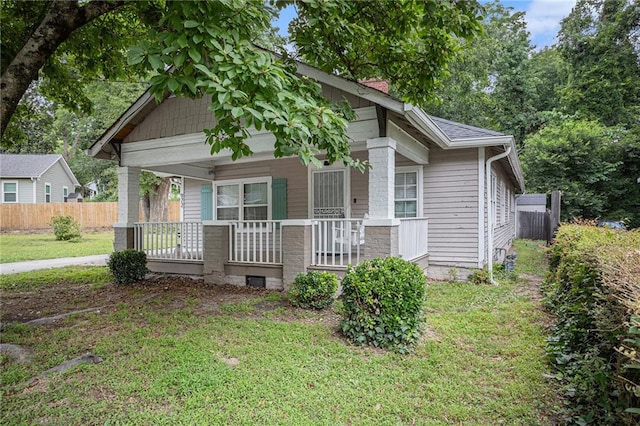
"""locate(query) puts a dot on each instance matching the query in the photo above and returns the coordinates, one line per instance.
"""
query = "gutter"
(490, 196)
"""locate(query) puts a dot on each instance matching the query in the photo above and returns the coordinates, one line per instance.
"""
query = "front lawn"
(21, 247)
(180, 352)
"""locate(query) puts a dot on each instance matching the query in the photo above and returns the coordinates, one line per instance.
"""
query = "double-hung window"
(408, 192)
(248, 199)
(47, 192)
(9, 192)
(65, 194)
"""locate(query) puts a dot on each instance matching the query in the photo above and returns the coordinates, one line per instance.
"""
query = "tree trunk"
(146, 208)
(160, 202)
(62, 19)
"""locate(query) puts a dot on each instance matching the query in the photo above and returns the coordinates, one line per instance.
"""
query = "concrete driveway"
(34, 265)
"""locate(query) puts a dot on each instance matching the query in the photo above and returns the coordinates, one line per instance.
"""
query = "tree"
(581, 158)
(206, 48)
(600, 40)
(489, 84)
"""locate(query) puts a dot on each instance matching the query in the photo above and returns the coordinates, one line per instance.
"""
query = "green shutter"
(279, 199)
(206, 202)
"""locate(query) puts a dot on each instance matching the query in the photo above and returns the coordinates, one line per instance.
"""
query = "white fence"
(255, 242)
(169, 240)
(413, 237)
(337, 242)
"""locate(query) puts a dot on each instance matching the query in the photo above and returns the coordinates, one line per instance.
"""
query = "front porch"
(271, 253)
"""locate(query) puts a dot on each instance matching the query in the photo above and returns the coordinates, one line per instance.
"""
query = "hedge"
(594, 291)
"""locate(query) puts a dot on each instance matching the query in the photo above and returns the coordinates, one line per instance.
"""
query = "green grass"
(26, 281)
(481, 362)
(531, 257)
(21, 247)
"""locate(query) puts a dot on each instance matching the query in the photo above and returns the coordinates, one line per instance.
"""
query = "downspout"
(34, 180)
(490, 196)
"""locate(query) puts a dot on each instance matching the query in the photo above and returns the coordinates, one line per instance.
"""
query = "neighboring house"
(435, 191)
(531, 203)
(35, 178)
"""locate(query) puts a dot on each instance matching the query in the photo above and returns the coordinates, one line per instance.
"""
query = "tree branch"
(59, 23)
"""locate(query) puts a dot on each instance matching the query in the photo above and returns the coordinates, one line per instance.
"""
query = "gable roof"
(532, 200)
(27, 166)
(444, 133)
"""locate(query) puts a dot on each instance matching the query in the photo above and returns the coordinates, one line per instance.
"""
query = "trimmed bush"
(316, 290)
(128, 266)
(593, 291)
(383, 300)
(65, 228)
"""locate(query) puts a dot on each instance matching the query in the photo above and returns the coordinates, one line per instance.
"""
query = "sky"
(543, 18)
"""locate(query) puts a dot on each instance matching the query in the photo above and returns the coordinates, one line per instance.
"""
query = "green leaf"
(237, 112)
(135, 55)
(191, 24)
(194, 54)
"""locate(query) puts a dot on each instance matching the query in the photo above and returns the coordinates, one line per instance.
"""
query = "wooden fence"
(534, 226)
(15, 217)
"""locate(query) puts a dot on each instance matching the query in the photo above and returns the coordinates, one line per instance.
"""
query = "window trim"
(494, 196)
(5, 192)
(241, 205)
(65, 194)
(47, 185)
(419, 180)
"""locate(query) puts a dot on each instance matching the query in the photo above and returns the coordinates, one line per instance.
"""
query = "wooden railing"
(337, 242)
(255, 242)
(170, 240)
(412, 236)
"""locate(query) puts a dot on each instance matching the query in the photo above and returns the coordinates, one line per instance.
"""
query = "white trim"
(34, 189)
(407, 145)
(65, 189)
(481, 206)
(418, 170)
(10, 192)
(347, 186)
(47, 184)
(241, 183)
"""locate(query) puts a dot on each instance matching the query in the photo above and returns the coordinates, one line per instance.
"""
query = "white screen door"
(329, 194)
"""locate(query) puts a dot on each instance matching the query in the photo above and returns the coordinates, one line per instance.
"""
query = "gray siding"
(504, 228)
(191, 199)
(25, 189)
(174, 116)
(451, 204)
(58, 178)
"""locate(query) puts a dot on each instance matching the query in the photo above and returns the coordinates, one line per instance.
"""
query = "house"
(35, 178)
(531, 203)
(439, 193)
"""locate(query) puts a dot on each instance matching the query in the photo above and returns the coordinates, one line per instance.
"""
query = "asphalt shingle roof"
(462, 131)
(26, 165)
(532, 200)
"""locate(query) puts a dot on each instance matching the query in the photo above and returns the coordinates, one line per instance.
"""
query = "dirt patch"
(176, 293)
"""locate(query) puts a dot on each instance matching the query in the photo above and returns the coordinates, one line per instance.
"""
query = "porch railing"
(169, 240)
(255, 242)
(412, 236)
(337, 242)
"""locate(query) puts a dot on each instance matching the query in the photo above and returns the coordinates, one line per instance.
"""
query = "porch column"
(381, 177)
(128, 207)
(296, 249)
(381, 238)
(216, 251)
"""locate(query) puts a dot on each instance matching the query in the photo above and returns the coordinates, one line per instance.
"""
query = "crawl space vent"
(256, 281)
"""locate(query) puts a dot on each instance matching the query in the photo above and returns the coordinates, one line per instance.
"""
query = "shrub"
(314, 290)
(65, 228)
(382, 303)
(479, 277)
(592, 290)
(128, 266)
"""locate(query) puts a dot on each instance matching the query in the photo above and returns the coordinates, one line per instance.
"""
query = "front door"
(329, 194)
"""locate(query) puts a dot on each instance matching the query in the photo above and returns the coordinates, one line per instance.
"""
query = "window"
(65, 193)
(47, 192)
(503, 203)
(243, 200)
(408, 192)
(9, 192)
